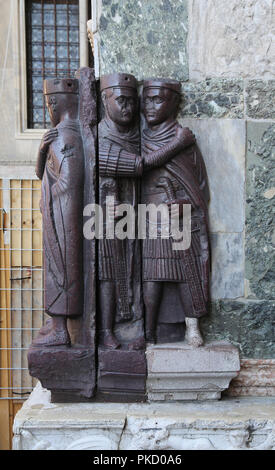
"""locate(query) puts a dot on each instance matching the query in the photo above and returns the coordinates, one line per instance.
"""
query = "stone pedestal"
(243, 423)
(177, 371)
(66, 371)
(121, 376)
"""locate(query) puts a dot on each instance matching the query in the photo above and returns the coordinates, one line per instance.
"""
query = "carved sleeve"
(40, 163)
(159, 157)
(114, 162)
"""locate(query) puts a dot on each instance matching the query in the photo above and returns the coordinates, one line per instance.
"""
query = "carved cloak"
(187, 173)
(62, 207)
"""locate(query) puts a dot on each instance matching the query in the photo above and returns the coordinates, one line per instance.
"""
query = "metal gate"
(21, 293)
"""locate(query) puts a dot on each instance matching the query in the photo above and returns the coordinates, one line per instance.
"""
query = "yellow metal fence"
(21, 293)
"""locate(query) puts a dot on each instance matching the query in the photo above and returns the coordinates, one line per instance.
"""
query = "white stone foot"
(192, 334)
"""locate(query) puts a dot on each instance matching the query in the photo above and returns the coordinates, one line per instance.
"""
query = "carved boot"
(192, 334)
(108, 340)
(54, 333)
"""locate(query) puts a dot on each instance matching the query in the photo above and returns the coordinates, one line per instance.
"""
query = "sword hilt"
(166, 183)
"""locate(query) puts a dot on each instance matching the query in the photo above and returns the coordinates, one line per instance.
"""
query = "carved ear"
(103, 97)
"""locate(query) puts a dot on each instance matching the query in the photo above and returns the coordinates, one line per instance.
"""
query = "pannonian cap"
(61, 85)
(173, 85)
(118, 80)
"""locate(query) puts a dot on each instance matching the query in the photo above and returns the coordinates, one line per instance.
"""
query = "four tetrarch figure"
(146, 292)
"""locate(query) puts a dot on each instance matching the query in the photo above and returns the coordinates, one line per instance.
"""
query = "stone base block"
(180, 372)
(121, 375)
(243, 423)
(68, 372)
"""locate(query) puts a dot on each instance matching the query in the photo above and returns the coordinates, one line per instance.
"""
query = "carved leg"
(54, 333)
(152, 292)
(192, 335)
(107, 295)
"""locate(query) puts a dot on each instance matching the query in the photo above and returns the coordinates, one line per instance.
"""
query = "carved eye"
(158, 100)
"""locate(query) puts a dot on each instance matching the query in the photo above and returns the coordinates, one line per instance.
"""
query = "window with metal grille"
(52, 33)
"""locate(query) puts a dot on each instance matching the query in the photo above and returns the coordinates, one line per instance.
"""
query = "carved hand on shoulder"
(185, 136)
(48, 138)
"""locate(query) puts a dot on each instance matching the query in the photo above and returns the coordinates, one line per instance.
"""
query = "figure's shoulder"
(69, 133)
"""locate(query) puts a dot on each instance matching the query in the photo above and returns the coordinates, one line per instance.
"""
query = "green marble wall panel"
(260, 210)
(260, 102)
(147, 39)
(215, 98)
(248, 324)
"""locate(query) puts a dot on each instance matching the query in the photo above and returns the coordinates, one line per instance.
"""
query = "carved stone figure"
(175, 283)
(62, 356)
(60, 165)
(172, 285)
(119, 260)
(120, 309)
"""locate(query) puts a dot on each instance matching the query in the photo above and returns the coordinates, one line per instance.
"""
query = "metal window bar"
(21, 309)
(52, 39)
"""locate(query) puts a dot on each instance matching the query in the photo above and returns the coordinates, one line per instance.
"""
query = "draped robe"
(187, 175)
(62, 207)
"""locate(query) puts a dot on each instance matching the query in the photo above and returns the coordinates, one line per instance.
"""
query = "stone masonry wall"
(223, 53)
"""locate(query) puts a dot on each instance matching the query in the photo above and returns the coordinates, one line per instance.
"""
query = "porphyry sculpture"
(120, 309)
(119, 167)
(60, 166)
(108, 298)
(175, 283)
(62, 356)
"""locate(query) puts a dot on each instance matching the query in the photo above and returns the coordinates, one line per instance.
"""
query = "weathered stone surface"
(13, 151)
(179, 372)
(222, 143)
(147, 39)
(256, 378)
(232, 39)
(260, 210)
(227, 275)
(247, 324)
(246, 423)
(260, 99)
(217, 98)
(68, 372)
(7, 12)
(121, 375)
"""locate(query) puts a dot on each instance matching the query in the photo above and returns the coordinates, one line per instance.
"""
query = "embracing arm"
(115, 162)
(183, 138)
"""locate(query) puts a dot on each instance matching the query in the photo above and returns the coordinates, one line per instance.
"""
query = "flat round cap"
(173, 85)
(61, 85)
(116, 80)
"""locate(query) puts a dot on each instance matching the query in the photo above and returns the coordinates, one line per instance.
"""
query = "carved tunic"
(117, 258)
(62, 207)
(185, 177)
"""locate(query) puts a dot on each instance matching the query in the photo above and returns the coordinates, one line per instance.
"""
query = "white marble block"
(243, 423)
(177, 371)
